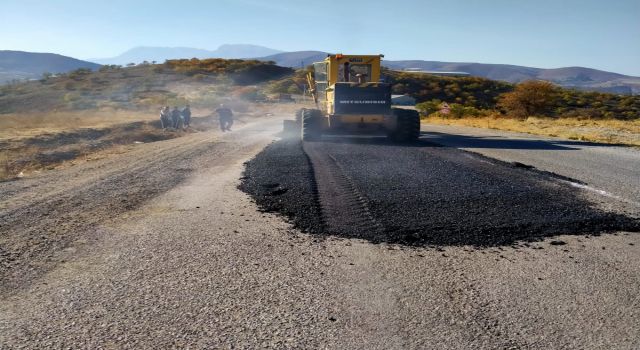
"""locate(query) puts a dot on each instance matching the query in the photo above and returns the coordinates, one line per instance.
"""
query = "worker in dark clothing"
(186, 115)
(176, 118)
(225, 116)
(165, 117)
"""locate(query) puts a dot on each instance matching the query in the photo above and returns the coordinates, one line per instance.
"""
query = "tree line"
(473, 96)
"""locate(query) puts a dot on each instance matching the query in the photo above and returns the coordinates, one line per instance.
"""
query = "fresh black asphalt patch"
(419, 194)
(281, 180)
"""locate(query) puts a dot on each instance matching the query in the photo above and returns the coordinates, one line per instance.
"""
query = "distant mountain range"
(574, 77)
(25, 65)
(30, 65)
(161, 54)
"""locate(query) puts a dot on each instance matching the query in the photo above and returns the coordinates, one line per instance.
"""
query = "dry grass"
(31, 142)
(602, 131)
(4, 166)
(25, 125)
(51, 150)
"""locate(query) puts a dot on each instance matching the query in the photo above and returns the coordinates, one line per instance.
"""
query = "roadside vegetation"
(536, 107)
(472, 97)
(293, 84)
(202, 83)
(79, 115)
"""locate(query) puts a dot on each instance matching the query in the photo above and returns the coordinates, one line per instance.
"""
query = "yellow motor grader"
(350, 98)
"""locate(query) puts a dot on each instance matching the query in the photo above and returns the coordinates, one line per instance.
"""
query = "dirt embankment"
(20, 157)
(32, 143)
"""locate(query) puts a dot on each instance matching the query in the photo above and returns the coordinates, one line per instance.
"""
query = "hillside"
(204, 82)
(160, 54)
(572, 77)
(476, 95)
(198, 82)
(23, 65)
(578, 77)
(31, 65)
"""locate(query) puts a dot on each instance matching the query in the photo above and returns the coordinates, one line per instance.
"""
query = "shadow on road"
(464, 141)
(375, 140)
(437, 139)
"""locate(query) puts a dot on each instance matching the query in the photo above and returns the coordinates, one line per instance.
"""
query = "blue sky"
(539, 33)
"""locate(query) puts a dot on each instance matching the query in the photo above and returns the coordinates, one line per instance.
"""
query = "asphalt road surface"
(611, 170)
(420, 194)
(157, 248)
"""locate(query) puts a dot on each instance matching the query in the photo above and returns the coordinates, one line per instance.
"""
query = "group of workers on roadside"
(176, 119)
(181, 119)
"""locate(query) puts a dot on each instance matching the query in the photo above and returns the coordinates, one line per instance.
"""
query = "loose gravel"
(41, 217)
(421, 194)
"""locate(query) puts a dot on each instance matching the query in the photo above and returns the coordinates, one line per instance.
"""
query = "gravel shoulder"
(45, 215)
(199, 266)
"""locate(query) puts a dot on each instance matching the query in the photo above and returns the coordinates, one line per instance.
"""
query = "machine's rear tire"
(407, 125)
(311, 124)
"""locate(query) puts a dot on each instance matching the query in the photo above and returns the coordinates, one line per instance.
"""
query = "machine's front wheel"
(407, 125)
(311, 124)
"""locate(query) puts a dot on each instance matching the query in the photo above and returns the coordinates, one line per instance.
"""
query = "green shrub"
(428, 107)
(460, 111)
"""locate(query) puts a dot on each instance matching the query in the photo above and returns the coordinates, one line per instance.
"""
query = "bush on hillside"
(428, 107)
(530, 98)
(242, 72)
(460, 111)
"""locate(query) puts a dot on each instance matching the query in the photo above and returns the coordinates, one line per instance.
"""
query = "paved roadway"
(612, 169)
(198, 266)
